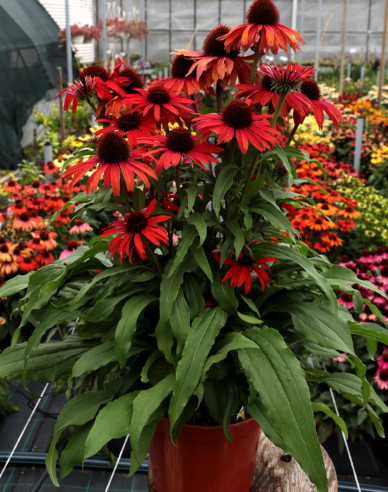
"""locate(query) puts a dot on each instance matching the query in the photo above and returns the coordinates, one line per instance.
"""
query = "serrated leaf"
(145, 405)
(112, 422)
(276, 375)
(81, 409)
(198, 344)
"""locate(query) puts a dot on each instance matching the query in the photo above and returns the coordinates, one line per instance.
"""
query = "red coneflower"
(62, 218)
(44, 258)
(27, 264)
(177, 145)
(50, 168)
(237, 120)
(215, 63)
(113, 157)
(160, 103)
(17, 207)
(11, 186)
(136, 228)
(331, 239)
(381, 378)
(130, 125)
(319, 223)
(72, 245)
(136, 82)
(47, 238)
(24, 222)
(310, 89)
(262, 31)
(180, 80)
(80, 227)
(241, 270)
(79, 91)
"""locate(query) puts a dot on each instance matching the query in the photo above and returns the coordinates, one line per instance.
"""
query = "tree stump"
(276, 471)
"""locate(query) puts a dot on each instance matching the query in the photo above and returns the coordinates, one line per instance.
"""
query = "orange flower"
(24, 222)
(327, 209)
(331, 239)
(8, 267)
(320, 224)
(349, 212)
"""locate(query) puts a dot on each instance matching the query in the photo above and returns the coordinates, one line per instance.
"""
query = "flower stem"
(255, 64)
(91, 104)
(124, 195)
(178, 183)
(252, 168)
(292, 134)
(219, 94)
(275, 116)
(153, 261)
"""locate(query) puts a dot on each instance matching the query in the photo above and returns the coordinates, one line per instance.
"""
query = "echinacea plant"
(199, 299)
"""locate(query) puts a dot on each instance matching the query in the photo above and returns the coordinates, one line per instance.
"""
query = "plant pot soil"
(202, 459)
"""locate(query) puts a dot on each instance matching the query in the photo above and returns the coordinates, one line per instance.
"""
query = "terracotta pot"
(202, 459)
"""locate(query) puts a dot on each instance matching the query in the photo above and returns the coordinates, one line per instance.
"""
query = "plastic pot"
(202, 459)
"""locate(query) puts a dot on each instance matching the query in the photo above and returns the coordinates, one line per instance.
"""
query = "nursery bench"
(277, 471)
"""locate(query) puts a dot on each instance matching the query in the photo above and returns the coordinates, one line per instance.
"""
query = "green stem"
(292, 134)
(154, 261)
(124, 195)
(219, 94)
(178, 183)
(255, 64)
(275, 115)
(252, 168)
(91, 104)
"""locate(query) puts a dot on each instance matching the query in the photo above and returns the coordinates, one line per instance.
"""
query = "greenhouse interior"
(194, 245)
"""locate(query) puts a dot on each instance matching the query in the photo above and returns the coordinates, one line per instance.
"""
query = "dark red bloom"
(135, 230)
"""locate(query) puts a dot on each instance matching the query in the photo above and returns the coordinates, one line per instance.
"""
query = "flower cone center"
(24, 217)
(179, 140)
(180, 66)
(158, 95)
(135, 222)
(93, 71)
(128, 122)
(263, 12)
(134, 77)
(72, 245)
(311, 90)
(245, 260)
(213, 47)
(383, 375)
(384, 271)
(112, 148)
(78, 222)
(237, 115)
(4, 248)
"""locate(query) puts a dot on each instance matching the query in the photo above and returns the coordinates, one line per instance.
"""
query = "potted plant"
(79, 34)
(196, 306)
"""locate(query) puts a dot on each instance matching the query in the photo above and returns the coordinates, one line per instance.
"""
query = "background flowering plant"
(199, 298)
(90, 32)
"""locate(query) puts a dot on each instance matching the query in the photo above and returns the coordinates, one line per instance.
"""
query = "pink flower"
(346, 299)
(382, 361)
(80, 227)
(381, 378)
(72, 245)
(340, 359)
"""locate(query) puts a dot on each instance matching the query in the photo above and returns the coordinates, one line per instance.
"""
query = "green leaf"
(224, 294)
(222, 401)
(126, 327)
(15, 285)
(73, 452)
(145, 405)
(95, 358)
(223, 183)
(370, 330)
(78, 411)
(321, 407)
(232, 341)
(180, 321)
(199, 222)
(202, 261)
(238, 234)
(275, 373)
(275, 216)
(199, 342)
(189, 233)
(251, 320)
(288, 253)
(48, 362)
(318, 323)
(350, 386)
(112, 422)
(342, 278)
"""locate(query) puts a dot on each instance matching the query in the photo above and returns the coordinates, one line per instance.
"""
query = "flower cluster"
(90, 32)
(130, 28)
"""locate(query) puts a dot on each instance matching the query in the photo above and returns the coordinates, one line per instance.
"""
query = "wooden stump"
(276, 471)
